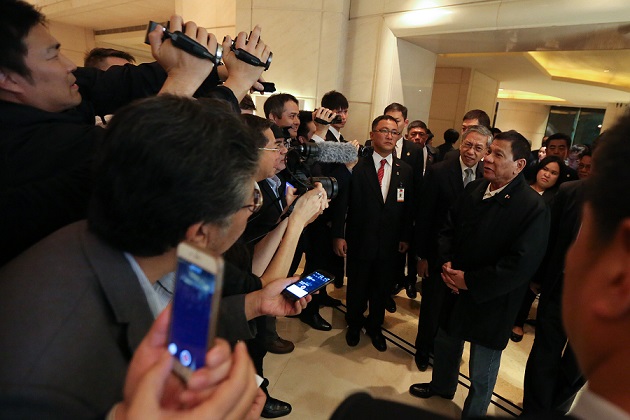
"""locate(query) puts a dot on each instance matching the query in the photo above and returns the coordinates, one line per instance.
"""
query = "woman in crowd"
(549, 176)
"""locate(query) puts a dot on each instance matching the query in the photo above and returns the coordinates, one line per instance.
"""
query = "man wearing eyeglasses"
(492, 242)
(378, 202)
(445, 182)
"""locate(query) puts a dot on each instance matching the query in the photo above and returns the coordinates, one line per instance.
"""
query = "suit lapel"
(121, 288)
(372, 177)
(455, 178)
(268, 194)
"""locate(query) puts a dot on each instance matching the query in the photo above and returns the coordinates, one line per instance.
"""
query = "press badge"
(400, 196)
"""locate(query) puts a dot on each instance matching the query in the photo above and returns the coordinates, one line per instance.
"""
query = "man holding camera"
(47, 109)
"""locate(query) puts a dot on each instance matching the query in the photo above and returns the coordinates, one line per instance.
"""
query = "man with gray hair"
(445, 182)
(492, 242)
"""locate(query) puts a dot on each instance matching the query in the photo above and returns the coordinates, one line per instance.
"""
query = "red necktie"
(381, 172)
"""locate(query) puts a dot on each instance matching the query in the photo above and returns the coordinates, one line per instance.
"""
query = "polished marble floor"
(323, 369)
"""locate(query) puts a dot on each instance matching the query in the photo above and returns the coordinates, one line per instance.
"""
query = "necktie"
(341, 139)
(381, 172)
(468, 177)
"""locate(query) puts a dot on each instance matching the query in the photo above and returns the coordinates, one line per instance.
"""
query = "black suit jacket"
(443, 185)
(373, 228)
(498, 243)
(266, 219)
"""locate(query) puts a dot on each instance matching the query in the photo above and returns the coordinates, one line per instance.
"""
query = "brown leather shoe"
(280, 346)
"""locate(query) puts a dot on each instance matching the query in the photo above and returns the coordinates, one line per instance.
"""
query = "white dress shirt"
(387, 173)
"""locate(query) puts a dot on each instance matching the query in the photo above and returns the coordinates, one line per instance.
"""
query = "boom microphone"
(333, 152)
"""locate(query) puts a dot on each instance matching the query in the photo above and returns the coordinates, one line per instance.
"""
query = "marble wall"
(529, 119)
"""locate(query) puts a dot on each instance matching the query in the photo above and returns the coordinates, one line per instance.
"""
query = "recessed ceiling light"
(606, 70)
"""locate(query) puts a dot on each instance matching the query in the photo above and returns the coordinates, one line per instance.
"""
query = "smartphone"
(308, 285)
(198, 284)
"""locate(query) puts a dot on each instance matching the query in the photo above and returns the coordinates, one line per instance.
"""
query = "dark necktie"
(381, 172)
(468, 177)
(341, 139)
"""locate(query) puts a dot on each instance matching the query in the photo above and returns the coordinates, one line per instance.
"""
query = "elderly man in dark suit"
(378, 202)
(493, 242)
(445, 183)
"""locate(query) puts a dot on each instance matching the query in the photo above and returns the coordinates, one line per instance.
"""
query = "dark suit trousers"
(552, 376)
(433, 291)
(369, 282)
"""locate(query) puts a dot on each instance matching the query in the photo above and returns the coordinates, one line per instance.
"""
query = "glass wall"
(582, 124)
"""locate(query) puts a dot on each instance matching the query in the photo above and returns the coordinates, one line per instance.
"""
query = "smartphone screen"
(307, 285)
(191, 312)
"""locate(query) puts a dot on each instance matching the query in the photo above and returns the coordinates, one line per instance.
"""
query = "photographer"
(47, 109)
(96, 287)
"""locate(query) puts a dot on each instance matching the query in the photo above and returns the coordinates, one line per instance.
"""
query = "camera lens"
(330, 184)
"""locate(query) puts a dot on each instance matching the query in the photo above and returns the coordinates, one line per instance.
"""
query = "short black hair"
(395, 106)
(521, 148)
(479, 115)
(417, 124)
(95, 56)
(305, 118)
(381, 118)
(451, 136)
(167, 163)
(560, 136)
(247, 103)
(334, 100)
(561, 166)
(274, 105)
(604, 188)
(259, 125)
(17, 18)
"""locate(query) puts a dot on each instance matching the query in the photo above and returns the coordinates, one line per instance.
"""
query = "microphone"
(333, 152)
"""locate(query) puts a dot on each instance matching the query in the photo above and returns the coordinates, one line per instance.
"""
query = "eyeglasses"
(385, 132)
(258, 200)
(269, 149)
(583, 166)
(477, 148)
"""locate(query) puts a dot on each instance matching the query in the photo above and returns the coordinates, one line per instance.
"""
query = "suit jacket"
(442, 187)
(498, 243)
(266, 219)
(373, 228)
(72, 313)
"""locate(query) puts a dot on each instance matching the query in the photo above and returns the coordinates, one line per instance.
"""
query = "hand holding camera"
(241, 74)
(181, 58)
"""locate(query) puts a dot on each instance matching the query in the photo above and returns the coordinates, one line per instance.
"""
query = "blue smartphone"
(198, 283)
(308, 285)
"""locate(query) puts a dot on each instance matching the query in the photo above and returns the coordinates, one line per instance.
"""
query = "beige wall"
(75, 41)
(529, 119)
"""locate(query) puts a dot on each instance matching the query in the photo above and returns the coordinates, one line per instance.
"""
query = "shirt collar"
(335, 132)
(377, 159)
(464, 167)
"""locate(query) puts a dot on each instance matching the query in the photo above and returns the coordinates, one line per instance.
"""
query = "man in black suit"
(552, 376)
(472, 117)
(320, 253)
(378, 204)
(445, 182)
(490, 247)
(415, 155)
(558, 144)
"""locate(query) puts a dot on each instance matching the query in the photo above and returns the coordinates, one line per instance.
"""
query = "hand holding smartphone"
(308, 285)
(198, 284)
